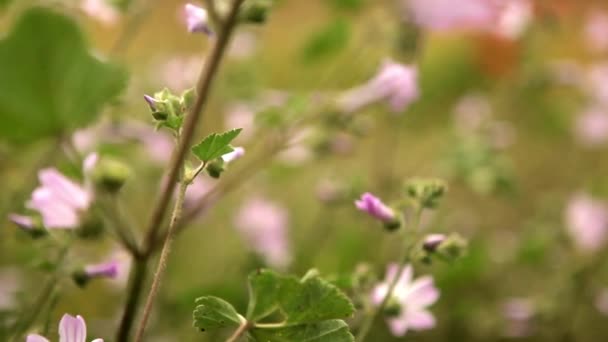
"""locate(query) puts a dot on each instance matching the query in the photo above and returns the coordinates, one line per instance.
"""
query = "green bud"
(160, 116)
(392, 226)
(80, 278)
(452, 248)
(426, 192)
(188, 98)
(215, 168)
(91, 228)
(110, 174)
(255, 11)
(364, 277)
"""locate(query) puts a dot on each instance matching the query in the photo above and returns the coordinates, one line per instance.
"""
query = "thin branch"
(239, 332)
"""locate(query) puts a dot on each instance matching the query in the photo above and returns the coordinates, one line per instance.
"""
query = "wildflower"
(432, 241)
(412, 298)
(395, 83)
(59, 200)
(587, 222)
(237, 153)
(263, 225)
(71, 329)
(24, 222)
(596, 31)
(372, 205)
(104, 270)
(197, 19)
(514, 18)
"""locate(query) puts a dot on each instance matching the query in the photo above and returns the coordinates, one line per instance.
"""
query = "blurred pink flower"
(413, 297)
(373, 206)
(518, 313)
(263, 225)
(446, 15)
(515, 18)
(596, 31)
(587, 221)
(109, 269)
(241, 115)
(471, 112)
(179, 73)
(101, 10)
(59, 200)
(237, 153)
(597, 83)
(22, 221)
(395, 83)
(197, 19)
(71, 329)
(591, 127)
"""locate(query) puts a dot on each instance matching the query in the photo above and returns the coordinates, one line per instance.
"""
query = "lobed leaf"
(214, 313)
(327, 331)
(215, 145)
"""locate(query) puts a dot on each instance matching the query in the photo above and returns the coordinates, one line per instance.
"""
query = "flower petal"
(35, 338)
(420, 320)
(72, 329)
(422, 293)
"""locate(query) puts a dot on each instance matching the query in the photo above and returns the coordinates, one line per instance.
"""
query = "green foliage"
(215, 145)
(214, 313)
(326, 331)
(311, 308)
(4, 3)
(346, 4)
(51, 85)
(327, 42)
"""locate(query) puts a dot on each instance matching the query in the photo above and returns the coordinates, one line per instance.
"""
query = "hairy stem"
(403, 259)
(239, 332)
(162, 262)
(136, 286)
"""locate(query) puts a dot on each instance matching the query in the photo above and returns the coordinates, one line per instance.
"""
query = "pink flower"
(446, 15)
(104, 270)
(591, 127)
(596, 31)
(471, 112)
(22, 221)
(178, 73)
(395, 83)
(59, 200)
(514, 19)
(71, 329)
(101, 10)
(237, 153)
(413, 297)
(263, 225)
(197, 19)
(587, 222)
(374, 207)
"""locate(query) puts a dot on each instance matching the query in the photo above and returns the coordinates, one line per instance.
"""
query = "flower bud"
(431, 242)
(105, 270)
(197, 19)
(426, 192)
(29, 225)
(392, 308)
(110, 174)
(188, 98)
(215, 168)
(452, 248)
(255, 11)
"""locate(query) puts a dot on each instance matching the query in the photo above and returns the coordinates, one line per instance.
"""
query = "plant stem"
(162, 262)
(136, 285)
(239, 332)
(404, 259)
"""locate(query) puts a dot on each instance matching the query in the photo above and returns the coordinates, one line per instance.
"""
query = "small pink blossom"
(395, 83)
(587, 222)
(22, 221)
(446, 15)
(71, 329)
(596, 31)
(101, 10)
(515, 18)
(372, 205)
(59, 200)
(197, 19)
(413, 297)
(237, 153)
(109, 269)
(591, 127)
(263, 225)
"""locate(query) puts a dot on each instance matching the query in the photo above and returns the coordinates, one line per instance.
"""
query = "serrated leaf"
(215, 313)
(51, 84)
(264, 289)
(215, 145)
(312, 300)
(326, 331)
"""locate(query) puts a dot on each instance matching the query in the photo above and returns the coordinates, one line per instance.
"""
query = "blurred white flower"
(587, 222)
(263, 225)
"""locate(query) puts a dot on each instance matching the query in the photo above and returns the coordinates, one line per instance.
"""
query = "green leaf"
(4, 4)
(326, 331)
(264, 287)
(51, 85)
(313, 299)
(326, 42)
(215, 313)
(215, 145)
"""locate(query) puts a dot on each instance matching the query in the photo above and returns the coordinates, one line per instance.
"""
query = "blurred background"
(514, 118)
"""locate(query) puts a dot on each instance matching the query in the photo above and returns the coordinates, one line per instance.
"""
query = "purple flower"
(413, 297)
(395, 83)
(71, 329)
(587, 222)
(59, 200)
(104, 270)
(197, 19)
(263, 225)
(373, 206)
(237, 153)
(151, 101)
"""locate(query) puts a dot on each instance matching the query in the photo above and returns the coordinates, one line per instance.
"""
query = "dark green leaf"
(215, 145)
(214, 313)
(326, 331)
(264, 288)
(50, 84)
